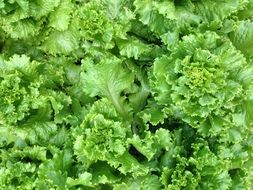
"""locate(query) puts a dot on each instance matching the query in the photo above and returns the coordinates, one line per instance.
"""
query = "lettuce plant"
(126, 94)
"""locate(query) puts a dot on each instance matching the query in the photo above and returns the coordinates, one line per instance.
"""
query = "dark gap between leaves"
(15, 181)
(169, 124)
(49, 155)
(78, 62)
(135, 153)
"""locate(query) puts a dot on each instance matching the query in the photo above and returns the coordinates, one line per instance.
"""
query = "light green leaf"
(108, 79)
(84, 179)
(242, 37)
(61, 42)
(40, 8)
(60, 18)
(132, 48)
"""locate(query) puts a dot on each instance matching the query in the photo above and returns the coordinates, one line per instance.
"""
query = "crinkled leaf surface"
(126, 94)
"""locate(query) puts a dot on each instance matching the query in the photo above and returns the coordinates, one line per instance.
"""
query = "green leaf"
(219, 10)
(55, 169)
(40, 8)
(21, 29)
(102, 135)
(108, 79)
(60, 18)
(84, 179)
(197, 79)
(132, 48)
(242, 37)
(61, 42)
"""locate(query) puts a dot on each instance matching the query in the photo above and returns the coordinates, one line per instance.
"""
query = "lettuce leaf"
(126, 94)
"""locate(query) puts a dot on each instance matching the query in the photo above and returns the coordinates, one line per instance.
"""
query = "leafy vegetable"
(126, 94)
